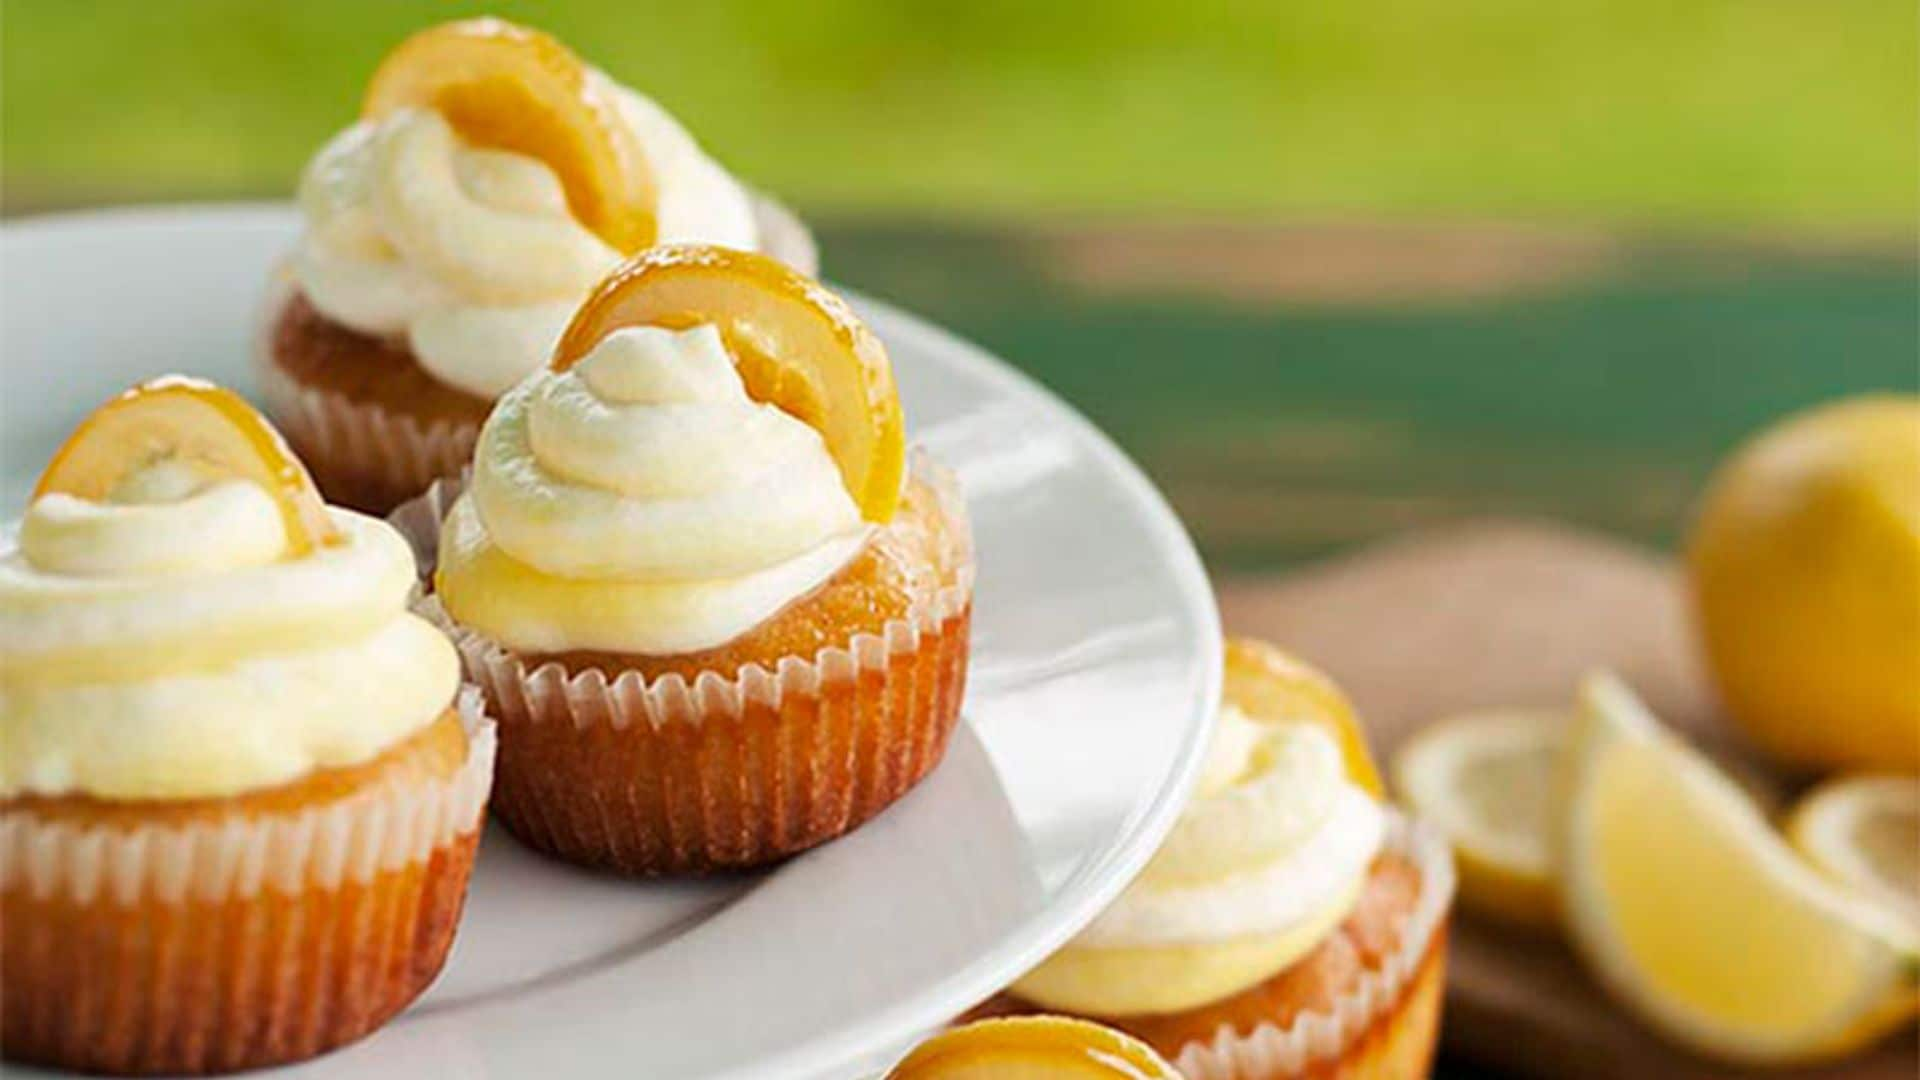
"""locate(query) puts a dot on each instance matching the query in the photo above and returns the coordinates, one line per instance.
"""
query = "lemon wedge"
(1700, 917)
(1486, 780)
(1864, 832)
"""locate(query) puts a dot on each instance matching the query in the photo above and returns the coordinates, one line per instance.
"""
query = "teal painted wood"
(1285, 428)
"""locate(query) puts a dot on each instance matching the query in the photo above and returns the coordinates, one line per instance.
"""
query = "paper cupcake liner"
(687, 776)
(1384, 1027)
(214, 945)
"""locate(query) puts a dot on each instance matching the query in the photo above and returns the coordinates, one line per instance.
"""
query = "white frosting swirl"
(1274, 835)
(641, 502)
(472, 255)
(162, 522)
(161, 645)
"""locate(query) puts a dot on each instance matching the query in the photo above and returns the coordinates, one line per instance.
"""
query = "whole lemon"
(1805, 569)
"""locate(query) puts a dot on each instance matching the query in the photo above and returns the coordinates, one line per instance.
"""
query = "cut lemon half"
(1864, 832)
(1033, 1048)
(206, 427)
(507, 87)
(1701, 918)
(797, 346)
(1270, 685)
(1486, 780)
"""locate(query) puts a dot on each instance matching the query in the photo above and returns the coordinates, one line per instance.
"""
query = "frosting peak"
(163, 519)
(641, 502)
(1275, 835)
(161, 644)
(492, 225)
(646, 365)
(472, 254)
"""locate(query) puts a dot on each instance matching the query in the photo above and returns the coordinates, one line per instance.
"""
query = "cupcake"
(492, 179)
(1291, 925)
(718, 613)
(239, 787)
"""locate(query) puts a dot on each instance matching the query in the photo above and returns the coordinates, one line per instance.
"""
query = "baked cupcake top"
(1267, 860)
(492, 180)
(182, 618)
(644, 493)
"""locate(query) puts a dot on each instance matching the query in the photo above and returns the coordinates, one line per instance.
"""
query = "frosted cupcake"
(493, 179)
(1291, 925)
(719, 618)
(238, 796)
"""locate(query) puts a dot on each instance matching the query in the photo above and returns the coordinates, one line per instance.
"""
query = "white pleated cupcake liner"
(1312, 1038)
(321, 846)
(364, 451)
(590, 697)
(391, 451)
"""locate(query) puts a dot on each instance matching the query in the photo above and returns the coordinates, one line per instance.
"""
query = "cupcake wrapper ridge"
(360, 454)
(227, 944)
(681, 776)
(348, 841)
(1385, 1026)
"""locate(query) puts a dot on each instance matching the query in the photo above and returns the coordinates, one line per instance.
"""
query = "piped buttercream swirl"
(641, 502)
(471, 255)
(1274, 835)
(162, 644)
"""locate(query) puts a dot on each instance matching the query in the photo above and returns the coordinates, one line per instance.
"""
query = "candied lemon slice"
(1486, 780)
(797, 346)
(511, 88)
(1700, 917)
(1268, 684)
(207, 427)
(1033, 1048)
(1864, 832)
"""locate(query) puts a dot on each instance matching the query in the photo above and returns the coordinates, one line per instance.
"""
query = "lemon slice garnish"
(797, 346)
(1033, 1048)
(513, 88)
(204, 428)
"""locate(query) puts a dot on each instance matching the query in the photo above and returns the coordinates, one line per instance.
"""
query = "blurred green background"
(1711, 111)
(1329, 270)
